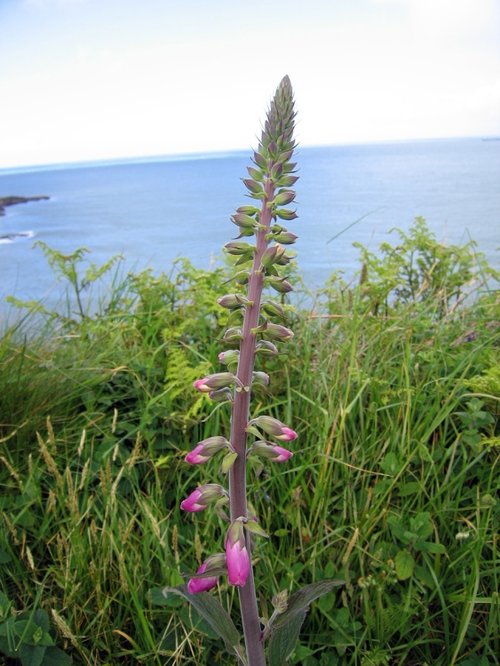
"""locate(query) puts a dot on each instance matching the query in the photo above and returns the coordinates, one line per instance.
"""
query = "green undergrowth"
(392, 383)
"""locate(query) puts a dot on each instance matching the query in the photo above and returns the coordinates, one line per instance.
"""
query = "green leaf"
(212, 611)
(254, 527)
(159, 599)
(405, 565)
(228, 461)
(300, 601)
(42, 619)
(422, 524)
(5, 557)
(5, 605)
(390, 464)
(284, 639)
(56, 657)
(434, 548)
(410, 488)
(31, 655)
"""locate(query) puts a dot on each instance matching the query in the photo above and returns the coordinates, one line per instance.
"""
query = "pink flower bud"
(197, 585)
(214, 563)
(199, 499)
(274, 427)
(229, 356)
(270, 451)
(211, 382)
(206, 449)
(283, 454)
(287, 435)
(237, 558)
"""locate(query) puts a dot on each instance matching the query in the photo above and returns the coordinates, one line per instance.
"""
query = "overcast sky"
(97, 79)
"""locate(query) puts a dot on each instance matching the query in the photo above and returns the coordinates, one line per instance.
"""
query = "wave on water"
(13, 237)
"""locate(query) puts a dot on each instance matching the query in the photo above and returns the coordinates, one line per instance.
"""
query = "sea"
(154, 210)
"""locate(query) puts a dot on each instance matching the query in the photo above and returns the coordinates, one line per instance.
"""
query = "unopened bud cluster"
(253, 333)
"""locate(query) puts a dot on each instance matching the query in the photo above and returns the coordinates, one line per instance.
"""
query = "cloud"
(449, 18)
(57, 4)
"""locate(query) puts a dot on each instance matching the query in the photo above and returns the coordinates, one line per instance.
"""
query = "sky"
(106, 79)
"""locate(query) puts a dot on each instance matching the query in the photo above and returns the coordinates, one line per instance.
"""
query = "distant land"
(12, 201)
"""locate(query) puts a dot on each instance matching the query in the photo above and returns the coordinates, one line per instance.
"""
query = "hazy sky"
(92, 79)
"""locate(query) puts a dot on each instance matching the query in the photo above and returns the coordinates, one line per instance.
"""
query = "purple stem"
(240, 417)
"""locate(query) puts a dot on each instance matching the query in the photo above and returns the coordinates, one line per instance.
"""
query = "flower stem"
(240, 417)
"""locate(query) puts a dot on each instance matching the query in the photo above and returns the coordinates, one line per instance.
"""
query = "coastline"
(13, 201)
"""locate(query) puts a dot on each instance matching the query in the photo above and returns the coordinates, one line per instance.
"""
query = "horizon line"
(212, 154)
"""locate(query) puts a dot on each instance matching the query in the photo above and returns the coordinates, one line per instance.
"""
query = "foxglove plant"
(260, 266)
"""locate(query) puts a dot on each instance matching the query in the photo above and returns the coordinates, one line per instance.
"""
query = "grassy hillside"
(393, 385)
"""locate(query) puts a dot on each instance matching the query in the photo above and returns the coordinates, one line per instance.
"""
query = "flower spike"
(269, 182)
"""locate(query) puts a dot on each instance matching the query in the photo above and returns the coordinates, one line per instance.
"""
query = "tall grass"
(393, 486)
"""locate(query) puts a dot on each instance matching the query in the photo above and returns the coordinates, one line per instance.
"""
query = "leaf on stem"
(212, 612)
(283, 641)
(284, 627)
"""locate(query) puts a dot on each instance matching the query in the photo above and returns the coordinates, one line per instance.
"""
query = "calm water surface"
(154, 211)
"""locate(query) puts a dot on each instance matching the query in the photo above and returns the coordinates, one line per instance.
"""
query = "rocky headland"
(12, 201)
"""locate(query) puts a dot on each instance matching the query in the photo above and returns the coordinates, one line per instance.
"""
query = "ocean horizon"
(155, 209)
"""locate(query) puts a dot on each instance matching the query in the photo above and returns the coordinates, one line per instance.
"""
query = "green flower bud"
(284, 197)
(215, 381)
(259, 160)
(272, 255)
(260, 378)
(285, 237)
(244, 221)
(233, 334)
(286, 214)
(231, 301)
(276, 171)
(274, 309)
(285, 258)
(279, 284)
(266, 348)
(284, 157)
(248, 210)
(278, 332)
(289, 167)
(287, 181)
(221, 395)
(241, 277)
(229, 357)
(255, 174)
(239, 247)
(252, 186)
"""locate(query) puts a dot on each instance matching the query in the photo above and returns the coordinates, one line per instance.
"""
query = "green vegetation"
(395, 385)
